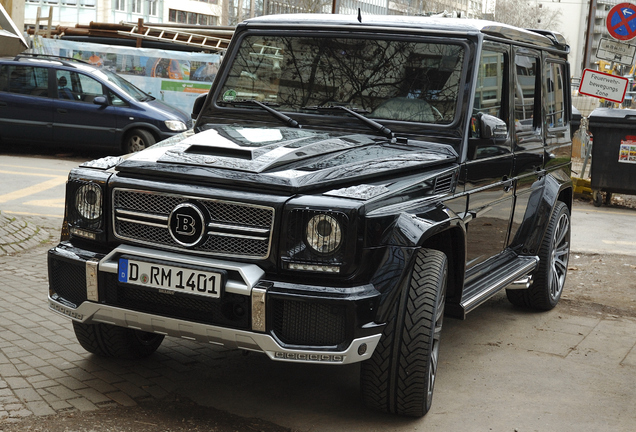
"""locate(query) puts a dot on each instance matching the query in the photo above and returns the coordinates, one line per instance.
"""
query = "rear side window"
(555, 95)
(26, 80)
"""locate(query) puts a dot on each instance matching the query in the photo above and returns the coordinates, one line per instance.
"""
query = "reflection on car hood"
(283, 158)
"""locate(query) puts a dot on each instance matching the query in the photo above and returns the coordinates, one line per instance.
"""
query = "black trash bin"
(613, 153)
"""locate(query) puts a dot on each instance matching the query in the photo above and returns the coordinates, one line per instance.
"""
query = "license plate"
(170, 278)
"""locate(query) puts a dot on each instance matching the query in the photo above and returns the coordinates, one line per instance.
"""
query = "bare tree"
(527, 14)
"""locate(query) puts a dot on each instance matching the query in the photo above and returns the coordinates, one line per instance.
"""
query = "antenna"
(359, 15)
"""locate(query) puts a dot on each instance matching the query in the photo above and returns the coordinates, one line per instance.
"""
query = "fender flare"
(439, 228)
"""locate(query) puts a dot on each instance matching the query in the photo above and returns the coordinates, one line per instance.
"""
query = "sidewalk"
(17, 235)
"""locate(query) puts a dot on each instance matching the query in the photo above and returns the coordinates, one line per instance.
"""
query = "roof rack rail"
(51, 56)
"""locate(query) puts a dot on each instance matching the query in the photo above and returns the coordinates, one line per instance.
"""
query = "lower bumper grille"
(68, 279)
(308, 323)
(232, 310)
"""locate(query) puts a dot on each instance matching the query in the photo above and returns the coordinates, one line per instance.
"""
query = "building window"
(191, 18)
(120, 5)
(136, 6)
(152, 7)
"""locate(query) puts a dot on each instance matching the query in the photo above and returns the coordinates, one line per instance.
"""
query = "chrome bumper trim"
(94, 313)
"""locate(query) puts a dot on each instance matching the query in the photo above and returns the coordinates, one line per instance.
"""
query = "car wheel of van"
(549, 278)
(107, 340)
(138, 139)
(400, 375)
(597, 198)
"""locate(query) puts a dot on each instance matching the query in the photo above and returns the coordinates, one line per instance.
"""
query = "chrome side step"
(515, 272)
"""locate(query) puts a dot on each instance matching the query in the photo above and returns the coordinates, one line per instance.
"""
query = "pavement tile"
(52, 372)
(8, 370)
(17, 382)
(62, 392)
(122, 398)
(100, 386)
(83, 404)
(131, 390)
(72, 383)
(93, 395)
(40, 408)
(27, 394)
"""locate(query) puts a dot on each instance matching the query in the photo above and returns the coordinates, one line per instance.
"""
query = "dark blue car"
(66, 102)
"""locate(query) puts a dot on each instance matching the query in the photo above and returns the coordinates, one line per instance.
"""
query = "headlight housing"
(85, 204)
(316, 240)
(176, 125)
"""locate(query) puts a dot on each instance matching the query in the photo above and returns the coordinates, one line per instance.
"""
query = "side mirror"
(198, 105)
(486, 126)
(100, 100)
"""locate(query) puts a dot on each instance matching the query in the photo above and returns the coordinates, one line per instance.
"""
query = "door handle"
(62, 110)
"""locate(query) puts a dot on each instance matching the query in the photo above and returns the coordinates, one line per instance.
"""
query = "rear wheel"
(107, 340)
(546, 290)
(400, 375)
(137, 139)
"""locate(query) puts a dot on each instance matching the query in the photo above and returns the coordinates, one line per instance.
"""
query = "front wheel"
(107, 340)
(546, 290)
(136, 140)
(400, 375)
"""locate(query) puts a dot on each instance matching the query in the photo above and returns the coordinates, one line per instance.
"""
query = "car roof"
(446, 26)
(49, 60)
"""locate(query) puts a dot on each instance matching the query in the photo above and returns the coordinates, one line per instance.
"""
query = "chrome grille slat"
(234, 229)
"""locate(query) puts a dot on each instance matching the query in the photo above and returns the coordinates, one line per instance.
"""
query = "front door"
(488, 170)
(77, 120)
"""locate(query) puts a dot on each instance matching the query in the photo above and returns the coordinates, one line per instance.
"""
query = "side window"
(77, 87)
(491, 89)
(27, 80)
(89, 88)
(527, 101)
(116, 100)
(555, 95)
(65, 85)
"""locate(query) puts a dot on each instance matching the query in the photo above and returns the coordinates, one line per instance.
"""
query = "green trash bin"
(613, 153)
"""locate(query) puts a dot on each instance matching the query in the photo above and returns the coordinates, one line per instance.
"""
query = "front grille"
(308, 323)
(233, 229)
(231, 310)
(68, 280)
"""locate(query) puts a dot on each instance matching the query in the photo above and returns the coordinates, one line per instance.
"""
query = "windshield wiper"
(372, 124)
(279, 115)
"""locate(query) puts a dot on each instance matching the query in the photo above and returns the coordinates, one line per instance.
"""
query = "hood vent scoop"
(230, 152)
(444, 183)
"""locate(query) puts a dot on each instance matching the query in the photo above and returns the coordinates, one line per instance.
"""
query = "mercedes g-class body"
(347, 184)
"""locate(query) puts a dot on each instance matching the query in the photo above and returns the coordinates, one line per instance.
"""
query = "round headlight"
(323, 233)
(88, 201)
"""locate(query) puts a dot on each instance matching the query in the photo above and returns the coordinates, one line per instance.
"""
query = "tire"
(107, 340)
(597, 198)
(136, 140)
(549, 278)
(400, 376)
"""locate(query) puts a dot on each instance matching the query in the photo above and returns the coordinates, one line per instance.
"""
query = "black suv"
(348, 183)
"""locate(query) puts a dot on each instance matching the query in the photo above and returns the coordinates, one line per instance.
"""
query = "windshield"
(383, 79)
(124, 85)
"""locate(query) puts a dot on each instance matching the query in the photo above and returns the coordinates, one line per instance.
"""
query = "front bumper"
(288, 322)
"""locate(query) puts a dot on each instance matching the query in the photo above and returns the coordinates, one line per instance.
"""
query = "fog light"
(362, 349)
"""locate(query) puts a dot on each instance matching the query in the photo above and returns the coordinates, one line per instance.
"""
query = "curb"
(17, 235)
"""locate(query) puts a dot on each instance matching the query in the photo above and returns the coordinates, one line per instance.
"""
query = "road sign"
(603, 86)
(621, 21)
(614, 51)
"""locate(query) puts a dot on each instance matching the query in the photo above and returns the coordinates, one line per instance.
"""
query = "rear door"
(78, 121)
(26, 110)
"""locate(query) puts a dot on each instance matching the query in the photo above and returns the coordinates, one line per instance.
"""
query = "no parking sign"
(621, 21)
